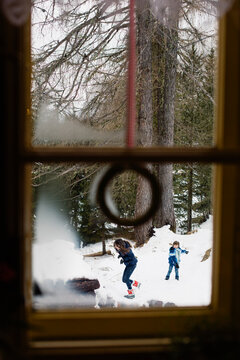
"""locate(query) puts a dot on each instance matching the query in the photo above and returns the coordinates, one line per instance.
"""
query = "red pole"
(131, 116)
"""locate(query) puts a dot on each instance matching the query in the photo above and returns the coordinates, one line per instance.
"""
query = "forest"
(79, 57)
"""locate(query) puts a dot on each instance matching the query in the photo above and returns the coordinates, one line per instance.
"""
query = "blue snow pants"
(126, 275)
(170, 270)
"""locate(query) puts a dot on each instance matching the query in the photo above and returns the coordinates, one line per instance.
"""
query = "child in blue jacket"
(174, 259)
(123, 248)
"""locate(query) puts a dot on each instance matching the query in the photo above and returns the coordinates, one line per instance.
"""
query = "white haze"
(50, 224)
(50, 127)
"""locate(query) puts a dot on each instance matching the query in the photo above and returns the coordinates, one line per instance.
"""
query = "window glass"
(80, 56)
(74, 261)
(79, 72)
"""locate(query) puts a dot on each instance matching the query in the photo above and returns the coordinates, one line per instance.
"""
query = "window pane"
(75, 264)
(79, 91)
(79, 72)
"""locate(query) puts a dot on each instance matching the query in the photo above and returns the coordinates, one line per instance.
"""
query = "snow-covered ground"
(58, 260)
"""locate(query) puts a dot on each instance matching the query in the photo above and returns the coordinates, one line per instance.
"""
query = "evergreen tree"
(194, 124)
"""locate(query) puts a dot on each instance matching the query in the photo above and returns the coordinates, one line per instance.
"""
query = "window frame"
(84, 331)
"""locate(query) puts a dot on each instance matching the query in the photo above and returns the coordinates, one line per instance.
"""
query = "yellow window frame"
(114, 330)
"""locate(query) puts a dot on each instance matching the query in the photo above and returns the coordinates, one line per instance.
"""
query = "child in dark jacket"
(123, 248)
(174, 259)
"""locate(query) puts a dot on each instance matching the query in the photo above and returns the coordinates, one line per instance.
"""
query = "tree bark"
(166, 214)
(145, 110)
(104, 247)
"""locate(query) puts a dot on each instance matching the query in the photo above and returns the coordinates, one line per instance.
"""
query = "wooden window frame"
(114, 330)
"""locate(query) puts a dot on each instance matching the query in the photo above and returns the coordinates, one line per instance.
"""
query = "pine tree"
(194, 124)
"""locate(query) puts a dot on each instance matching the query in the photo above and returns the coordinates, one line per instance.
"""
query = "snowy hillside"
(58, 260)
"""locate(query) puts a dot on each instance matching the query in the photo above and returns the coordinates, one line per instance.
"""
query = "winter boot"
(167, 278)
(130, 294)
(136, 283)
(177, 277)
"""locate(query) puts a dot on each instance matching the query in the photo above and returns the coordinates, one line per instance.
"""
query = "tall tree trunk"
(190, 195)
(145, 110)
(158, 71)
(166, 214)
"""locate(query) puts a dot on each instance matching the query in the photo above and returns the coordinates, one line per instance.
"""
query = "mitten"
(187, 252)
(119, 256)
(177, 266)
(121, 261)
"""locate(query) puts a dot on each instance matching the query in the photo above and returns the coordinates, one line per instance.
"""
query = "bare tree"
(81, 71)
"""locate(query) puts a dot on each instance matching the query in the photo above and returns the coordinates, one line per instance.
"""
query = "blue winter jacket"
(174, 255)
(129, 258)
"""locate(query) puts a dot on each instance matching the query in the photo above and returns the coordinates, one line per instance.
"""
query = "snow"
(58, 260)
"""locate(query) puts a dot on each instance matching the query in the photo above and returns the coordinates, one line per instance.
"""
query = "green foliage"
(194, 127)
(124, 193)
(194, 100)
(201, 194)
